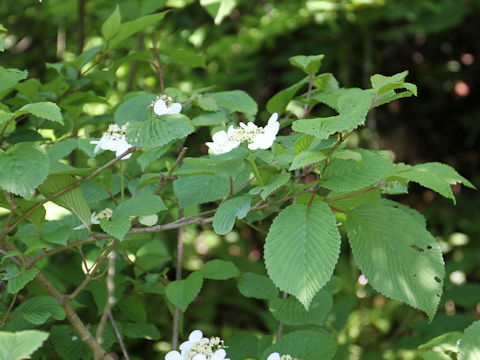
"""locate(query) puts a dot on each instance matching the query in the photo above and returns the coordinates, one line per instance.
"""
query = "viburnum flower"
(256, 136)
(164, 105)
(114, 140)
(276, 356)
(95, 218)
(199, 348)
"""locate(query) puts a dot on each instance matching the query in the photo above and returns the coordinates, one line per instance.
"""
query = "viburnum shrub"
(73, 283)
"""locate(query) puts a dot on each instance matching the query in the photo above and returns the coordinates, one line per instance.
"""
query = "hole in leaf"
(416, 248)
(437, 279)
(438, 295)
(429, 247)
(414, 275)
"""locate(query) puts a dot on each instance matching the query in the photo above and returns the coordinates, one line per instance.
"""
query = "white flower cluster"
(164, 105)
(95, 219)
(114, 140)
(276, 356)
(256, 136)
(199, 348)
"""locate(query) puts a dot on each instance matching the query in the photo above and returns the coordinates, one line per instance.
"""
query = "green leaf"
(346, 154)
(303, 143)
(305, 345)
(111, 26)
(225, 216)
(134, 109)
(159, 131)
(350, 175)
(21, 344)
(217, 118)
(67, 343)
(182, 292)
(353, 107)
(242, 345)
(219, 270)
(24, 167)
(382, 84)
(434, 355)
(278, 103)
(117, 227)
(10, 77)
(200, 189)
(141, 205)
(140, 331)
(291, 312)
(218, 9)
(18, 282)
(435, 176)
(45, 110)
(237, 100)
(274, 183)
(193, 60)
(129, 28)
(151, 155)
(309, 64)
(301, 249)
(72, 200)
(469, 348)
(346, 201)
(206, 103)
(398, 256)
(29, 88)
(444, 342)
(38, 310)
(228, 163)
(306, 158)
(257, 286)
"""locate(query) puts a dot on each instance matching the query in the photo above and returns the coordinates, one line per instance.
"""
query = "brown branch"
(355, 193)
(110, 297)
(178, 276)
(117, 334)
(10, 307)
(167, 178)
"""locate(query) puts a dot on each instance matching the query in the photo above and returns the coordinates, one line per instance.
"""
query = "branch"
(178, 276)
(110, 297)
(355, 193)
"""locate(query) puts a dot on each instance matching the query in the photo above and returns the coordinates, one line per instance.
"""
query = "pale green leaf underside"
(257, 286)
(141, 205)
(219, 270)
(45, 110)
(182, 292)
(117, 227)
(21, 344)
(23, 166)
(158, 131)
(291, 312)
(278, 103)
(305, 345)
(18, 282)
(10, 77)
(353, 106)
(301, 249)
(225, 216)
(350, 175)
(273, 184)
(306, 158)
(469, 348)
(398, 256)
(111, 25)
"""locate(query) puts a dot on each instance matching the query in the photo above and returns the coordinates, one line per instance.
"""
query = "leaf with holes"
(301, 249)
(398, 256)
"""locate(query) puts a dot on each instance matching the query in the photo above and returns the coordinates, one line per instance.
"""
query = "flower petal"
(160, 107)
(219, 355)
(195, 335)
(274, 356)
(200, 357)
(173, 355)
(174, 108)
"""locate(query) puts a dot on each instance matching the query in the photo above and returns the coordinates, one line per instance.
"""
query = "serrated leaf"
(134, 109)
(158, 131)
(129, 28)
(382, 84)
(305, 345)
(141, 205)
(68, 344)
(149, 156)
(237, 100)
(435, 176)
(390, 96)
(217, 118)
(117, 227)
(397, 255)
(353, 107)
(21, 344)
(309, 64)
(278, 103)
(228, 163)
(242, 345)
(219, 270)
(291, 312)
(24, 167)
(45, 110)
(18, 282)
(306, 158)
(350, 200)
(199, 189)
(301, 249)
(274, 183)
(140, 331)
(193, 60)
(37, 310)
(72, 200)
(346, 154)
(257, 286)
(112, 24)
(182, 292)
(303, 143)
(206, 103)
(10, 77)
(225, 216)
(350, 175)
(469, 348)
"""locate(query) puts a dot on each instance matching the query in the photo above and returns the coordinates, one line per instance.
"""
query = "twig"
(117, 334)
(167, 178)
(178, 276)
(355, 193)
(10, 307)
(110, 297)
(280, 324)
(309, 93)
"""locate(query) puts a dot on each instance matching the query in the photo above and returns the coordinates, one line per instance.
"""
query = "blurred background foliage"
(247, 46)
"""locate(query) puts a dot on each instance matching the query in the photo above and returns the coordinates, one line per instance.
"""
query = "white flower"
(199, 348)
(222, 141)
(256, 136)
(276, 356)
(163, 106)
(113, 140)
(95, 218)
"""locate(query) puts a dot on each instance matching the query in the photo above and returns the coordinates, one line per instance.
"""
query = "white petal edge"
(195, 335)
(274, 356)
(160, 107)
(173, 355)
(174, 108)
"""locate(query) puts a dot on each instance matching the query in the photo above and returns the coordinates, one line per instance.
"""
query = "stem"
(355, 193)
(280, 324)
(178, 276)
(255, 169)
(309, 93)
(122, 185)
(10, 307)
(110, 297)
(117, 334)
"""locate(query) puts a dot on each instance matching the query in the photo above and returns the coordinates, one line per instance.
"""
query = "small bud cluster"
(116, 132)
(205, 347)
(287, 357)
(104, 214)
(247, 133)
(165, 98)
